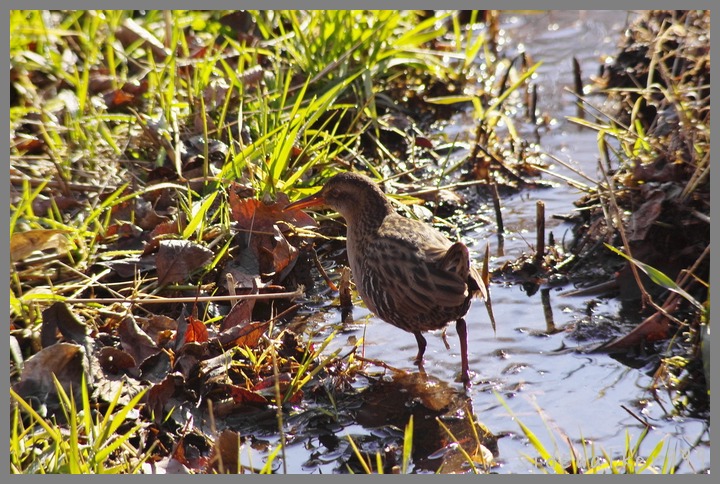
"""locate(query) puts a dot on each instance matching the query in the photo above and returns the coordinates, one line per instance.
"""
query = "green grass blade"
(658, 277)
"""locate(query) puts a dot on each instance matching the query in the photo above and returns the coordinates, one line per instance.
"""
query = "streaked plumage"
(406, 272)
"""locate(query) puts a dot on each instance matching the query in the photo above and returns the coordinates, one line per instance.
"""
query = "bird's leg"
(465, 368)
(421, 347)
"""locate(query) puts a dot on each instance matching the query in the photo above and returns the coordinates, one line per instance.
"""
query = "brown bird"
(407, 272)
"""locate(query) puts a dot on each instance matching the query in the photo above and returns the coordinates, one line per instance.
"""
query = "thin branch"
(190, 299)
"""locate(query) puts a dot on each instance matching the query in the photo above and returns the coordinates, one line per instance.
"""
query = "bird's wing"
(412, 277)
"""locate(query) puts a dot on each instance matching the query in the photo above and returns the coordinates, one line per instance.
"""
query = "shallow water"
(555, 389)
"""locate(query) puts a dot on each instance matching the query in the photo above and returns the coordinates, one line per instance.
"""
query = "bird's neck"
(368, 218)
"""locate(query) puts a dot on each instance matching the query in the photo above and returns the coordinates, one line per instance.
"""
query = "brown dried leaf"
(59, 317)
(159, 394)
(64, 360)
(176, 259)
(241, 312)
(135, 341)
(22, 244)
(42, 205)
(155, 368)
(645, 216)
(117, 99)
(113, 360)
(251, 333)
(276, 254)
(226, 451)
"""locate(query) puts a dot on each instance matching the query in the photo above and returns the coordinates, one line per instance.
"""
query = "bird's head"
(352, 195)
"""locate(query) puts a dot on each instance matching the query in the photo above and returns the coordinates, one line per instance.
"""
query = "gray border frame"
(322, 4)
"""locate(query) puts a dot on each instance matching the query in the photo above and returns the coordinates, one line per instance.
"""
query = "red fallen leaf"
(253, 214)
(28, 145)
(296, 151)
(176, 259)
(275, 253)
(423, 142)
(118, 98)
(179, 452)
(172, 227)
(269, 382)
(296, 398)
(199, 53)
(196, 331)
(243, 395)
(124, 230)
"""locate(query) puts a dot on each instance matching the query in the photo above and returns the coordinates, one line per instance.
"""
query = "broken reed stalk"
(498, 217)
(498, 211)
(532, 105)
(547, 311)
(322, 271)
(540, 229)
(578, 85)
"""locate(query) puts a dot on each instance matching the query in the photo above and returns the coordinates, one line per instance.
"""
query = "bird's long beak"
(311, 201)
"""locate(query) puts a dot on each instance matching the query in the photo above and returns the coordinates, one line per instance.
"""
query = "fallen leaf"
(245, 396)
(159, 394)
(117, 99)
(41, 206)
(156, 367)
(22, 244)
(275, 253)
(135, 341)
(113, 360)
(177, 259)
(66, 361)
(160, 328)
(241, 312)
(196, 331)
(256, 216)
(642, 220)
(59, 317)
(248, 334)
